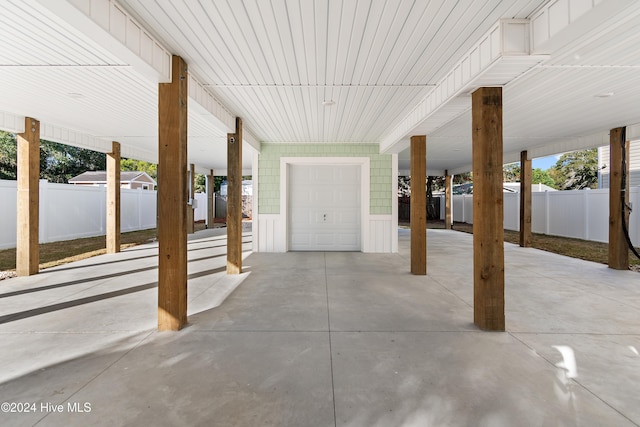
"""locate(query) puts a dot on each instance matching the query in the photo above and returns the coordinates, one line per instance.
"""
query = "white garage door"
(324, 208)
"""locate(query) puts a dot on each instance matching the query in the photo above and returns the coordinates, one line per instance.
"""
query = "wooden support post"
(234, 200)
(113, 199)
(191, 180)
(418, 207)
(448, 220)
(618, 247)
(526, 176)
(488, 210)
(172, 199)
(210, 200)
(28, 206)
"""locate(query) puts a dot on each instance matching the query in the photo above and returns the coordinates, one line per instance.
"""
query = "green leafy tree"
(539, 176)
(200, 183)
(58, 162)
(576, 170)
(8, 155)
(511, 172)
(141, 166)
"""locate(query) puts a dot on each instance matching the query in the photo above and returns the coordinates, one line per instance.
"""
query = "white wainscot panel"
(380, 234)
(272, 236)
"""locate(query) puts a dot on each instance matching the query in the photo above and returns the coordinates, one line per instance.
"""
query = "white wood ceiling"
(273, 63)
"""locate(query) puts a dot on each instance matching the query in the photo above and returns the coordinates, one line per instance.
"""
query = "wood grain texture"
(113, 199)
(418, 207)
(526, 175)
(234, 200)
(172, 199)
(28, 199)
(618, 247)
(488, 209)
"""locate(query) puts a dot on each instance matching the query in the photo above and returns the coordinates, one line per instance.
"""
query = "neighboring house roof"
(101, 176)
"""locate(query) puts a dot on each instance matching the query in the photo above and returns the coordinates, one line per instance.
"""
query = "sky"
(544, 163)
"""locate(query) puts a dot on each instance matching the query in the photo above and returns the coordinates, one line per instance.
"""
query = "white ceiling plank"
(286, 41)
(308, 24)
(297, 35)
(386, 41)
(364, 53)
(321, 22)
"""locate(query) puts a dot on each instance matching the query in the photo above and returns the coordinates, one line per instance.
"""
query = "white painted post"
(140, 204)
(464, 219)
(103, 209)
(585, 196)
(44, 214)
(546, 212)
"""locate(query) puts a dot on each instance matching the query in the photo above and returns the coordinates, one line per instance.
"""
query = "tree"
(140, 166)
(58, 162)
(511, 172)
(200, 183)
(576, 170)
(8, 155)
(539, 176)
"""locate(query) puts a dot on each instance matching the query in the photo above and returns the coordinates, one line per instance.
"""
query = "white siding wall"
(633, 161)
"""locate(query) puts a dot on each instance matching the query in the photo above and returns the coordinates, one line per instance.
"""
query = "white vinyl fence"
(200, 213)
(71, 211)
(583, 214)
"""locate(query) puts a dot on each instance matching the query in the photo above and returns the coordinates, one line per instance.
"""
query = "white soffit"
(110, 26)
(499, 57)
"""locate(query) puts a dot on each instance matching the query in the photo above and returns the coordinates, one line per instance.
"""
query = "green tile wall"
(269, 172)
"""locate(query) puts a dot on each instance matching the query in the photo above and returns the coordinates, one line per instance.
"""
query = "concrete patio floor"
(322, 339)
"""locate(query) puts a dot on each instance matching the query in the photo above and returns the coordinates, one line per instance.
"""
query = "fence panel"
(8, 214)
(200, 213)
(73, 211)
(566, 214)
(70, 213)
(581, 214)
(512, 211)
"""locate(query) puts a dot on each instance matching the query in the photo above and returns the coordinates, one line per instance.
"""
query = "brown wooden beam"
(172, 199)
(618, 247)
(234, 200)
(526, 175)
(113, 199)
(418, 206)
(488, 214)
(28, 206)
(191, 226)
(448, 220)
(210, 199)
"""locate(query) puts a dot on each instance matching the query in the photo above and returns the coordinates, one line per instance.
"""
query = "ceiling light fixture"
(75, 95)
(604, 95)
(328, 103)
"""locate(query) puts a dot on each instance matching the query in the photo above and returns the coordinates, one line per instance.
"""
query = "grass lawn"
(56, 253)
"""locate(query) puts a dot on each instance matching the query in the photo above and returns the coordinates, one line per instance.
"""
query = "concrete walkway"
(322, 339)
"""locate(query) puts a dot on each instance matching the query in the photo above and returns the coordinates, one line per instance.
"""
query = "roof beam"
(500, 56)
(559, 23)
(110, 27)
